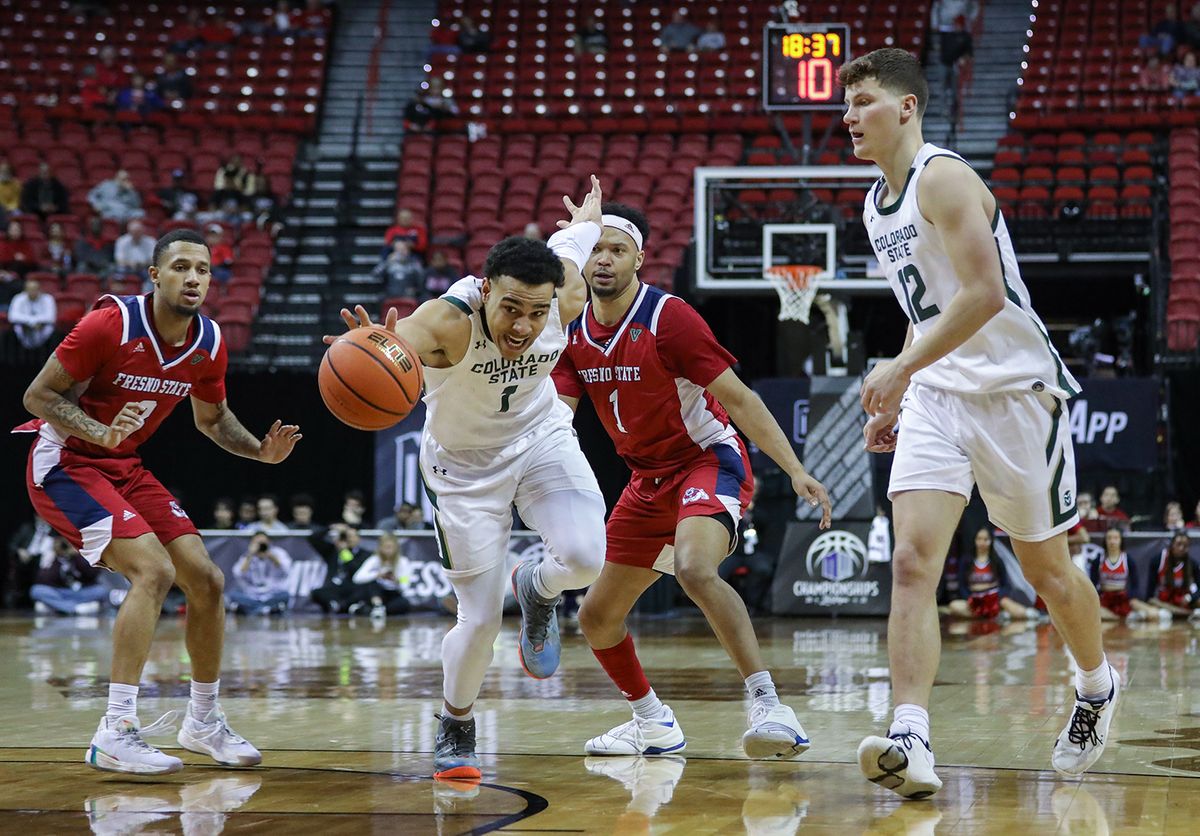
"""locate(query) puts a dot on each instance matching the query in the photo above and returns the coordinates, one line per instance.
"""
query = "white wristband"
(576, 242)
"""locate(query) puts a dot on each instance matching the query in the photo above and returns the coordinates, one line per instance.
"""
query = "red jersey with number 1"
(646, 376)
(117, 356)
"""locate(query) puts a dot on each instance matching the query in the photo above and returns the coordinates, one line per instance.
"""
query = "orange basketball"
(370, 379)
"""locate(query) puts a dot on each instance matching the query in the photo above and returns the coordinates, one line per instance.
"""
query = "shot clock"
(800, 65)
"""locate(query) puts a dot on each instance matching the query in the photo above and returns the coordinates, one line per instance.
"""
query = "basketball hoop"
(796, 288)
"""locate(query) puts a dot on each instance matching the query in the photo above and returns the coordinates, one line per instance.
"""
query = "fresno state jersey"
(646, 376)
(1114, 576)
(117, 357)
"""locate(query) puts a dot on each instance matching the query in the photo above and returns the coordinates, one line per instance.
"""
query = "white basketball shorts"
(1015, 445)
(473, 491)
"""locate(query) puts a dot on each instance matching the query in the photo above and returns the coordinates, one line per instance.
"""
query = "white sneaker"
(118, 746)
(1082, 742)
(650, 782)
(902, 763)
(213, 737)
(774, 733)
(640, 737)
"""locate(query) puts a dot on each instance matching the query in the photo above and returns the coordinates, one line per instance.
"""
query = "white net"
(796, 288)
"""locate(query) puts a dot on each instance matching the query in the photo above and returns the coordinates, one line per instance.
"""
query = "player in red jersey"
(103, 392)
(662, 385)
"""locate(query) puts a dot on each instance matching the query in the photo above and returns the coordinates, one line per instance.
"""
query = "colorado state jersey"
(1012, 351)
(646, 377)
(117, 357)
(486, 401)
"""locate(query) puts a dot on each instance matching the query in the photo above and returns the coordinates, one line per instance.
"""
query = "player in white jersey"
(496, 435)
(980, 395)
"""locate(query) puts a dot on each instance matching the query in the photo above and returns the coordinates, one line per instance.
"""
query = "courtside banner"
(827, 573)
(1114, 423)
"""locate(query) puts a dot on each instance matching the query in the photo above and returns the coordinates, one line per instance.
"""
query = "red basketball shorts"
(91, 502)
(641, 528)
(1116, 601)
(984, 604)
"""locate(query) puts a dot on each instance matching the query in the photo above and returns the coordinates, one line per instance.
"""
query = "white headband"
(626, 226)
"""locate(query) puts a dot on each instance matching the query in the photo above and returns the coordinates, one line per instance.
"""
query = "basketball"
(370, 379)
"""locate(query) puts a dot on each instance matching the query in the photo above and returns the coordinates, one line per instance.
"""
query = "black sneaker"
(454, 750)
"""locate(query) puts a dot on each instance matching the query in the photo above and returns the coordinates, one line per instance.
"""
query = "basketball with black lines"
(370, 379)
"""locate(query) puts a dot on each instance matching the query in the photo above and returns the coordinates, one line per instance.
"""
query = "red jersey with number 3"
(646, 376)
(117, 357)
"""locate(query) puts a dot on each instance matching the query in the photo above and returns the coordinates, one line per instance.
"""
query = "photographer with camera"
(67, 584)
(261, 576)
(343, 555)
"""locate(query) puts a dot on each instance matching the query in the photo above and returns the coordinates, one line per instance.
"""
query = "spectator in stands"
(137, 97)
(220, 252)
(44, 195)
(32, 315)
(408, 228)
(93, 252)
(711, 39)
(178, 199)
(1166, 34)
(1185, 77)
(354, 508)
(679, 34)
(1175, 585)
(430, 103)
(109, 74)
(173, 82)
(443, 40)
(262, 205)
(16, 253)
(471, 38)
(134, 250)
(229, 181)
(302, 511)
(261, 579)
(247, 513)
(591, 37)
(439, 275)
(222, 514)
(31, 545)
(218, 32)
(1110, 511)
(312, 21)
(401, 271)
(116, 199)
(343, 556)
(268, 515)
(377, 581)
(406, 517)
(280, 18)
(1154, 76)
(1173, 517)
(187, 34)
(10, 189)
(533, 232)
(68, 584)
(91, 93)
(58, 250)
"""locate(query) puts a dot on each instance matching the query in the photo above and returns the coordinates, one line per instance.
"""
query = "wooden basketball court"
(343, 711)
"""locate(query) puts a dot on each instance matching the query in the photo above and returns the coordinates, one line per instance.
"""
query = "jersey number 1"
(507, 393)
(616, 413)
(917, 312)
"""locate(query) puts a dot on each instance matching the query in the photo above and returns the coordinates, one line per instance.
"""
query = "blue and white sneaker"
(774, 733)
(539, 645)
(660, 736)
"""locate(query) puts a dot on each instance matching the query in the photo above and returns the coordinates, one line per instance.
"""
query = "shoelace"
(634, 726)
(537, 625)
(459, 736)
(131, 734)
(759, 712)
(1083, 727)
(217, 726)
(906, 739)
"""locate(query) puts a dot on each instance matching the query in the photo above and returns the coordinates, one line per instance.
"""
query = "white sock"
(761, 688)
(908, 717)
(1095, 684)
(204, 698)
(122, 700)
(649, 707)
(460, 718)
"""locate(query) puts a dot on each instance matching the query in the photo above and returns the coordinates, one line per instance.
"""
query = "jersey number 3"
(917, 311)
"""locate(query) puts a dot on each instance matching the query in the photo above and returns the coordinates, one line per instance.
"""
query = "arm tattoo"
(227, 431)
(68, 416)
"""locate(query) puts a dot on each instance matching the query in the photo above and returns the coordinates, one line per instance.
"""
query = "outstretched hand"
(361, 319)
(814, 493)
(278, 443)
(589, 210)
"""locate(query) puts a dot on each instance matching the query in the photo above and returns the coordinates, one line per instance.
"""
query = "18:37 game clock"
(800, 65)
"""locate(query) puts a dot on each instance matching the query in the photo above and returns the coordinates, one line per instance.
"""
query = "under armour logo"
(129, 515)
(480, 345)
(439, 471)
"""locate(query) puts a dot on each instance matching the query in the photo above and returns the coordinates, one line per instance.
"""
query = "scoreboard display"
(801, 63)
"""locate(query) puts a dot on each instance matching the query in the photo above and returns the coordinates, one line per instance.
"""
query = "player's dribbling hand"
(814, 493)
(589, 210)
(361, 319)
(884, 387)
(278, 443)
(128, 421)
(879, 434)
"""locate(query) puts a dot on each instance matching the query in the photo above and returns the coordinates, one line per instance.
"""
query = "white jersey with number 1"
(1012, 351)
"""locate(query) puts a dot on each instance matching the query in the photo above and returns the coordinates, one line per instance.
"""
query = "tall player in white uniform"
(980, 395)
(496, 435)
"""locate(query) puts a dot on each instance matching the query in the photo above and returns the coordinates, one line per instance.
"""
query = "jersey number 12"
(917, 312)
